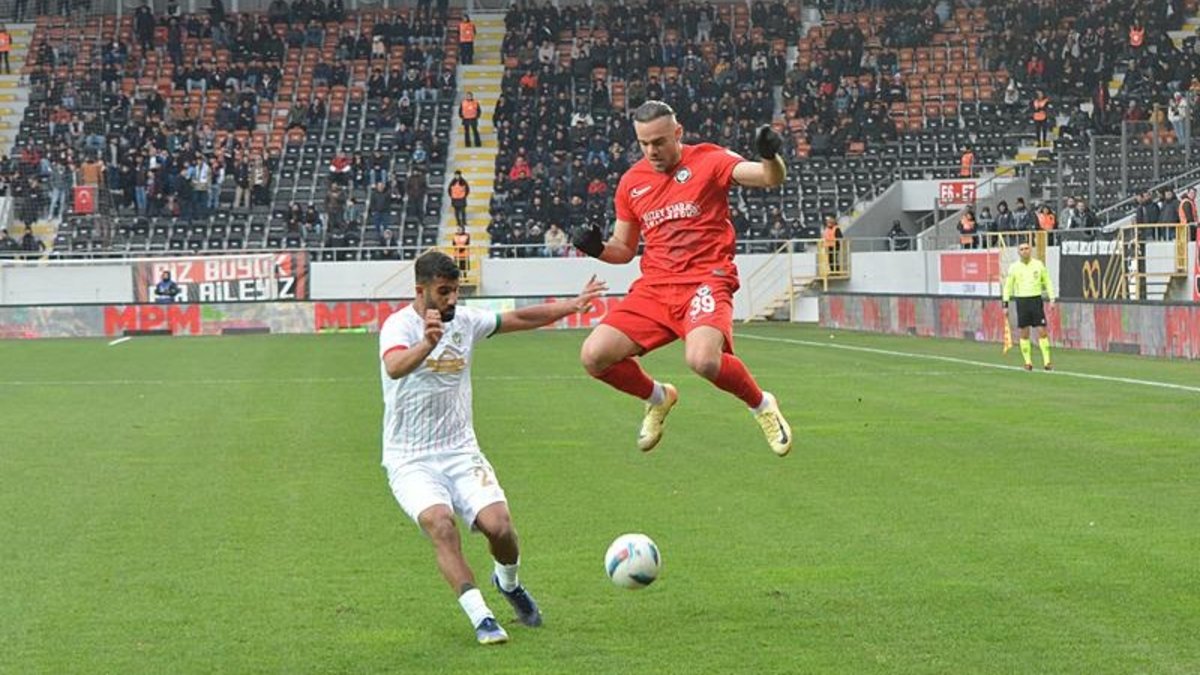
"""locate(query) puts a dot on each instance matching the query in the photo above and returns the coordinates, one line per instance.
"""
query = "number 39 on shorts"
(702, 302)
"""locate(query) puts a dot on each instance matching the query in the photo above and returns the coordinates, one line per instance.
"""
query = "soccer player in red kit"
(676, 200)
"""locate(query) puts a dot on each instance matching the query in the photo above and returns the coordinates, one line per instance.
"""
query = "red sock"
(627, 376)
(735, 379)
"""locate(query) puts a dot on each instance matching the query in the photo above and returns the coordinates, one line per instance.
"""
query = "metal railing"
(935, 172)
(932, 225)
(772, 285)
(991, 239)
(1123, 208)
(794, 264)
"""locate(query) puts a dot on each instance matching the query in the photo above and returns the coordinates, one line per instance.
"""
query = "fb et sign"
(956, 192)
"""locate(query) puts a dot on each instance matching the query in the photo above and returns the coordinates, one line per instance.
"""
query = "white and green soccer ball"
(633, 561)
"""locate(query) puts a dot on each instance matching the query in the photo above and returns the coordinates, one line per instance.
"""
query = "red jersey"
(683, 215)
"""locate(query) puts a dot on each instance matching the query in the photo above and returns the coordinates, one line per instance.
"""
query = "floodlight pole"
(1092, 170)
(1124, 159)
(1154, 141)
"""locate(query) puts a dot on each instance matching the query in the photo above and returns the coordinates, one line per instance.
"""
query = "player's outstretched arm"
(770, 171)
(407, 358)
(619, 249)
(529, 318)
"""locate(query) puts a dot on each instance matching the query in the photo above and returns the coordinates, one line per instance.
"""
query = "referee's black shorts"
(1030, 312)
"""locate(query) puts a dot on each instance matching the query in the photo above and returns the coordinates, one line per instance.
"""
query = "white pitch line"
(980, 364)
(120, 340)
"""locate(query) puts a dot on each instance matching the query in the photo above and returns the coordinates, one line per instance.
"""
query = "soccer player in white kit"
(433, 461)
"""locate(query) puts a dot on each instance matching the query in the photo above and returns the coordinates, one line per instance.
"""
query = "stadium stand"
(296, 113)
(867, 98)
(303, 109)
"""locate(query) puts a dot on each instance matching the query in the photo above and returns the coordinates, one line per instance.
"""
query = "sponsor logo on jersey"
(446, 364)
(639, 191)
(683, 175)
(676, 211)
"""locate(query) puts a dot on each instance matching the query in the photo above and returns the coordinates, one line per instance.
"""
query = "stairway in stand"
(14, 93)
(478, 165)
(14, 98)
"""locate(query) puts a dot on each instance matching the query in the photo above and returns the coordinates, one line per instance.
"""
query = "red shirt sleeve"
(621, 203)
(723, 161)
(394, 336)
(394, 348)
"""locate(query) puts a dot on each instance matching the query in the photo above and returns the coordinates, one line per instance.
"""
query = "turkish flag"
(85, 199)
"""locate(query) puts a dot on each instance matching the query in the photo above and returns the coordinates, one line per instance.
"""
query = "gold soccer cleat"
(656, 416)
(775, 427)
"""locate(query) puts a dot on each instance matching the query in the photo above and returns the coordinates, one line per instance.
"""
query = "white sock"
(763, 405)
(658, 396)
(507, 575)
(476, 609)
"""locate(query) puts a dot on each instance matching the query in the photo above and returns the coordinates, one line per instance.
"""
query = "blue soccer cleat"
(522, 602)
(488, 632)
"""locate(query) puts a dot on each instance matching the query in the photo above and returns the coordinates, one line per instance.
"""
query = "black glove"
(589, 240)
(767, 142)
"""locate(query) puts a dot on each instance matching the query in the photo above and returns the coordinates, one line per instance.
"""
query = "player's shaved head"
(435, 265)
(658, 134)
(652, 110)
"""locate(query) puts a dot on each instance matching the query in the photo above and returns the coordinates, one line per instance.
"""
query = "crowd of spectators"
(563, 62)
(200, 144)
(574, 70)
(562, 142)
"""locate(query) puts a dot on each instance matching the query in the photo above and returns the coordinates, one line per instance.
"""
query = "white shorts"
(465, 481)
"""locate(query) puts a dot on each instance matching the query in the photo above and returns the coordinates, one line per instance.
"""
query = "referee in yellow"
(1026, 280)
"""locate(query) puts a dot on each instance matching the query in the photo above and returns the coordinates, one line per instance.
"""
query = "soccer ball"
(633, 561)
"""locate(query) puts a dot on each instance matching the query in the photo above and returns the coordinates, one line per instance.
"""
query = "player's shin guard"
(1027, 351)
(627, 376)
(735, 379)
(1044, 345)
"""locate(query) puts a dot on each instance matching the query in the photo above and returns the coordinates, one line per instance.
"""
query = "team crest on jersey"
(456, 338)
(683, 175)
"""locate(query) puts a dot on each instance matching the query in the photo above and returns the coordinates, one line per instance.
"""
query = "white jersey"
(428, 411)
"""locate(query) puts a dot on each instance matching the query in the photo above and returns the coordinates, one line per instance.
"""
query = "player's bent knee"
(594, 358)
(438, 523)
(495, 522)
(704, 364)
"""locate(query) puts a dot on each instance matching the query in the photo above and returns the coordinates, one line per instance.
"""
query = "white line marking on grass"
(980, 364)
(237, 381)
(120, 340)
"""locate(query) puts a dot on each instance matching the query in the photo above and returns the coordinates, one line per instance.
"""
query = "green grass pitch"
(216, 505)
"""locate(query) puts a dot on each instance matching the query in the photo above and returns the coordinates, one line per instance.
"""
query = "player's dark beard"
(447, 315)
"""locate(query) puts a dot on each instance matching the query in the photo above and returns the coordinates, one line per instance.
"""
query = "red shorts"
(656, 315)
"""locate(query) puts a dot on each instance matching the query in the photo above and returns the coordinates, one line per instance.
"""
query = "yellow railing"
(775, 282)
(1038, 239)
(1144, 233)
(771, 285)
(469, 264)
(1139, 268)
(833, 261)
